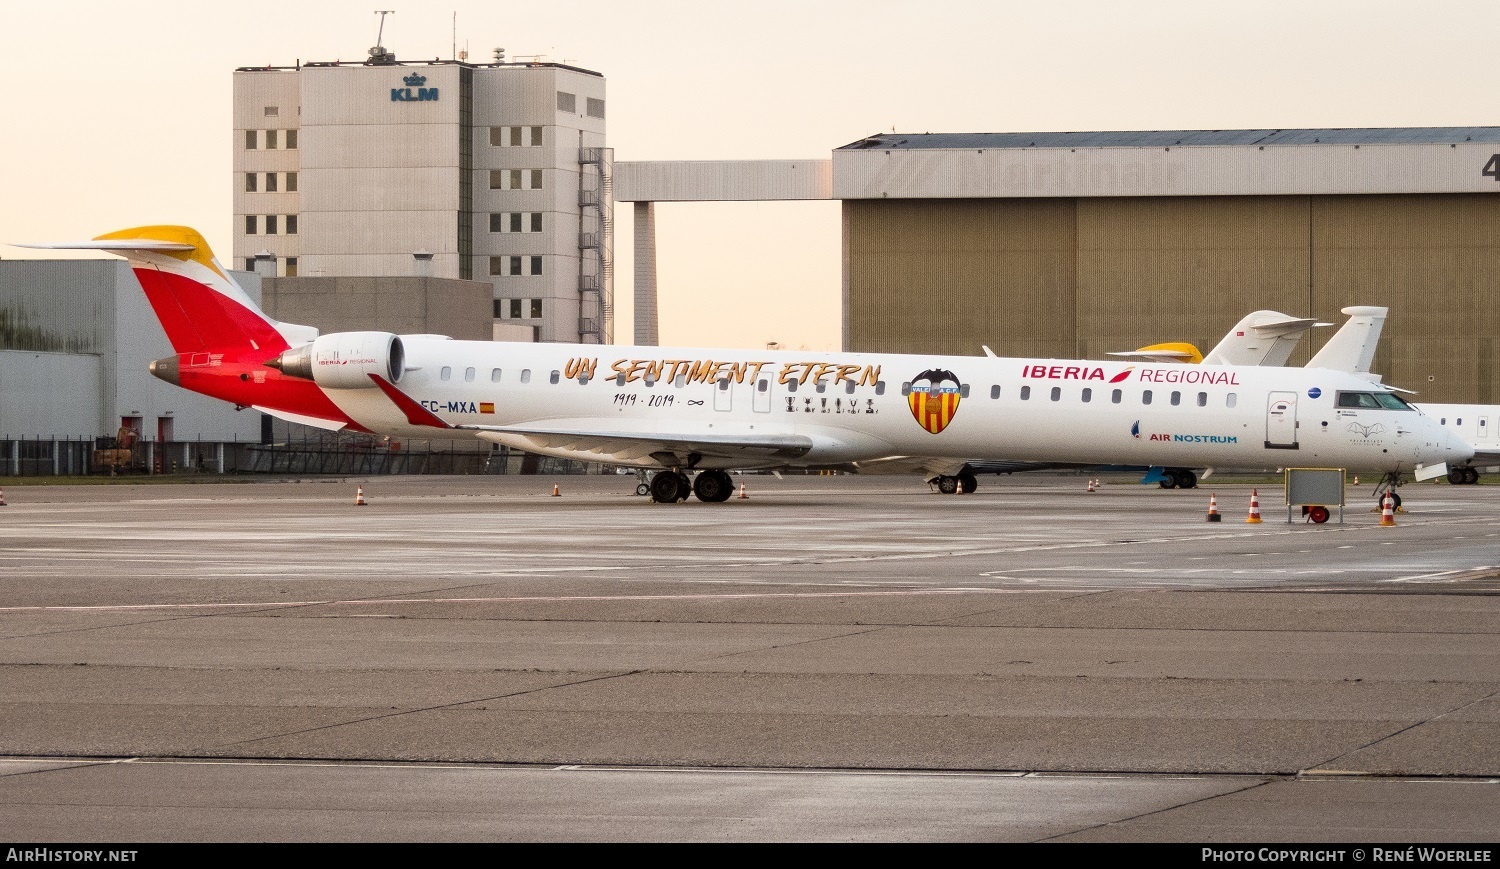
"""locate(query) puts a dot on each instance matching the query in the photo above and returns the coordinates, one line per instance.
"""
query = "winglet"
(416, 414)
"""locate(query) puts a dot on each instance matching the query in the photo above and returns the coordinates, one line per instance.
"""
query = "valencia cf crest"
(934, 399)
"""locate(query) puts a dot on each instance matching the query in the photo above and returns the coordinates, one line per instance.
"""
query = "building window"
(595, 108)
(249, 224)
(270, 182)
(536, 309)
(496, 136)
(291, 140)
(496, 223)
(515, 221)
(249, 263)
(566, 102)
(514, 179)
(250, 184)
(515, 265)
(272, 111)
(291, 177)
(536, 137)
(497, 179)
(536, 221)
(271, 139)
(499, 310)
(515, 309)
(515, 137)
(536, 179)
(497, 265)
(291, 224)
(270, 224)
(250, 140)
(291, 267)
(536, 265)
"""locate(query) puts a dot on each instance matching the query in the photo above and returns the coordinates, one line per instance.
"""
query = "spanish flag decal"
(486, 407)
(934, 399)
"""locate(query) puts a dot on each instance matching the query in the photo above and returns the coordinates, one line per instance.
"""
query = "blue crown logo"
(415, 80)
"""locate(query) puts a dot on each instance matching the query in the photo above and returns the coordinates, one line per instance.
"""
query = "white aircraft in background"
(1351, 349)
(708, 411)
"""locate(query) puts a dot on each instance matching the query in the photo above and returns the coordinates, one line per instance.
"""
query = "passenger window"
(762, 385)
(1146, 397)
(1025, 393)
(848, 387)
(791, 386)
(963, 390)
(556, 376)
(995, 391)
(724, 384)
(819, 387)
(906, 388)
(619, 380)
(680, 381)
(1114, 397)
(1056, 393)
(880, 387)
(583, 379)
(1203, 399)
(445, 373)
(1231, 399)
(649, 379)
(495, 375)
(1088, 395)
(1176, 398)
(468, 375)
(525, 375)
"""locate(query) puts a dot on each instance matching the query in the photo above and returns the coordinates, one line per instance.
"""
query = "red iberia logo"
(934, 399)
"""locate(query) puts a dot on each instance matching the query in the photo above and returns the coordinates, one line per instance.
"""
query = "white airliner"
(685, 410)
(1351, 349)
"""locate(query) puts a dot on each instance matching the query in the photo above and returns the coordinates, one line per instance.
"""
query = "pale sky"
(118, 114)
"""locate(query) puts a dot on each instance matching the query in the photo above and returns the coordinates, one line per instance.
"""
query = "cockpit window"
(1373, 400)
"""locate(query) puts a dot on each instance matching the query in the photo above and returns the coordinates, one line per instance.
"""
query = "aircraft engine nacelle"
(345, 360)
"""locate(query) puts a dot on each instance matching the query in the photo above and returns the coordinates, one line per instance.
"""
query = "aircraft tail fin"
(1260, 338)
(199, 304)
(1352, 347)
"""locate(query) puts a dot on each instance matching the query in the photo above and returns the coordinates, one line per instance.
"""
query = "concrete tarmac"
(828, 658)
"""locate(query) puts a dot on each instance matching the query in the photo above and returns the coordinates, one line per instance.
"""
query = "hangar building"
(1072, 245)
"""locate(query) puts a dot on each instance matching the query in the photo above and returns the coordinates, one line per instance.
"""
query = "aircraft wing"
(685, 449)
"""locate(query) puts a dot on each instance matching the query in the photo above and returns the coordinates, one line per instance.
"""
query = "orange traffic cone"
(359, 496)
(1254, 506)
(1091, 485)
(1387, 510)
(555, 492)
(2, 497)
(743, 496)
(1356, 479)
(1213, 508)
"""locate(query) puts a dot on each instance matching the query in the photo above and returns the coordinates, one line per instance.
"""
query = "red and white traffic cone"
(1213, 508)
(359, 496)
(1387, 510)
(2, 497)
(1254, 506)
(743, 496)
(1091, 485)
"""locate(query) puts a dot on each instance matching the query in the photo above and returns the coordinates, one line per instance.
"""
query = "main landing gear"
(1178, 478)
(962, 483)
(669, 487)
(1463, 476)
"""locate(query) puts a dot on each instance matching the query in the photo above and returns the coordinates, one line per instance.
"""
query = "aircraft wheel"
(1318, 515)
(666, 487)
(1168, 482)
(968, 481)
(711, 487)
(1395, 501)
(1471, 476)
(1458, 476)
(642, 489)
(947, 485)
(1186, 479)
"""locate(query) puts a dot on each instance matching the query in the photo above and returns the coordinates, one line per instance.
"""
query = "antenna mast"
(378, 54)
